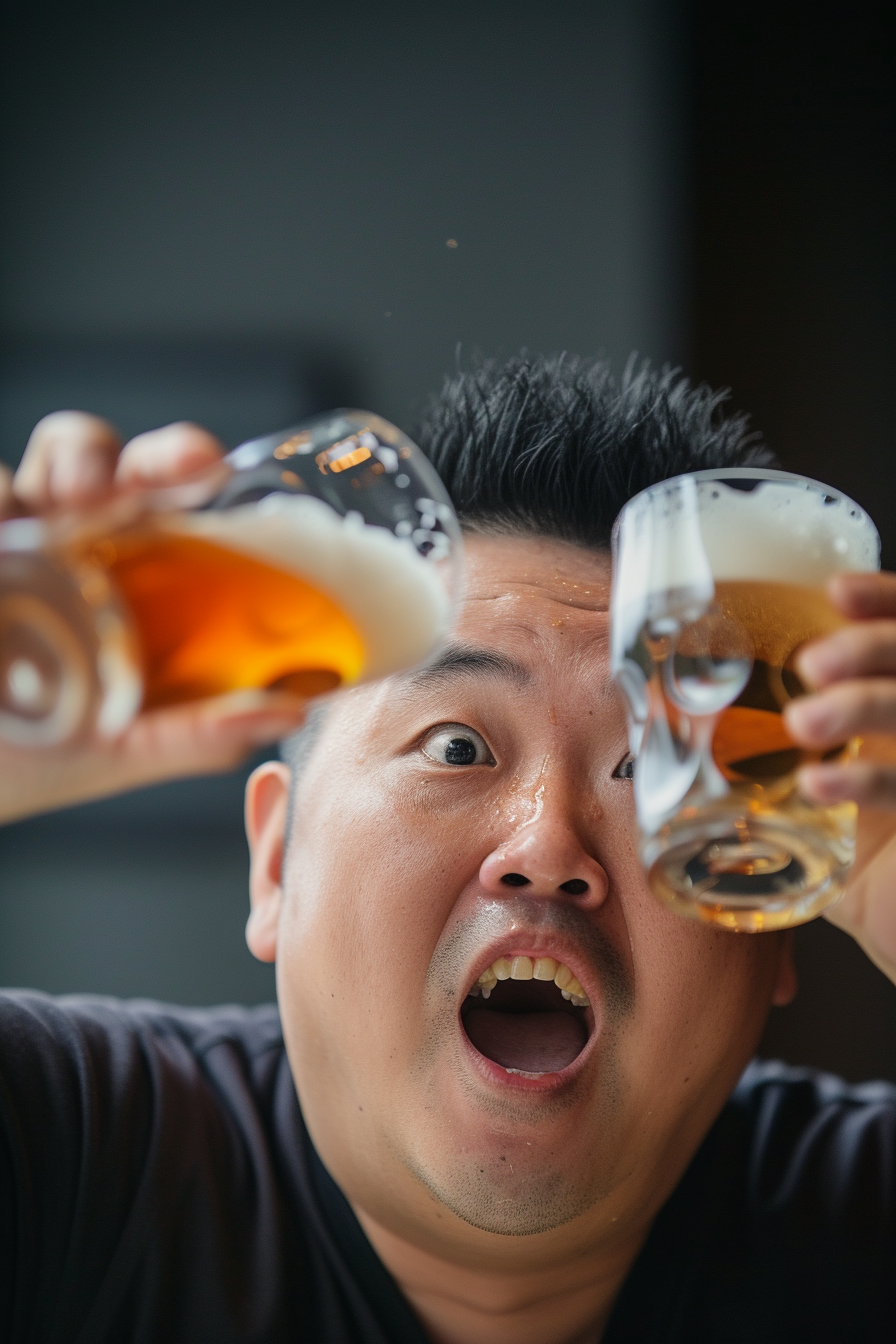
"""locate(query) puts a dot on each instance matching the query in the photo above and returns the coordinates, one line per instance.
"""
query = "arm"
(853, 673)
(72, 459)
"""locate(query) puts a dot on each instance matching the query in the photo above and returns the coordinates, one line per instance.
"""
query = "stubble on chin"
(502, 1182)
(505, 1164)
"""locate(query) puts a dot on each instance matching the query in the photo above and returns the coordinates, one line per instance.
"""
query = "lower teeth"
(485, 991)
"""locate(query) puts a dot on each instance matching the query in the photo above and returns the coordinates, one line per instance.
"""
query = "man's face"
(474, 812)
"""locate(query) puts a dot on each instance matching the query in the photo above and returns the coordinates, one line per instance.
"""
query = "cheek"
(375, 870)
(370, 882)
(703, 995)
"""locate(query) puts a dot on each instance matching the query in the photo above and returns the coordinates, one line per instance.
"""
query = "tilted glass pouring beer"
(305, 560)
(719, 579)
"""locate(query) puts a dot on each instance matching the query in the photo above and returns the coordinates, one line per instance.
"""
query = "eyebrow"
(460, 661)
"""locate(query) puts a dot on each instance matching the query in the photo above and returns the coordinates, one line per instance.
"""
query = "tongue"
(530, 1042)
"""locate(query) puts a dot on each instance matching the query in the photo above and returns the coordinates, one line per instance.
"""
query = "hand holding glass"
(719, 579)
(300, 562)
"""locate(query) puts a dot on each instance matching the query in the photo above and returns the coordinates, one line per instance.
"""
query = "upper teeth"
(524, 968)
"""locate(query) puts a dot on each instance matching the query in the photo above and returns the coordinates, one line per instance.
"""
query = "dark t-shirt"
(157, 1184)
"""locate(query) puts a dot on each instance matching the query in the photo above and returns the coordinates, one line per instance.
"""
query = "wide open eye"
(626, 767)
(456, 744)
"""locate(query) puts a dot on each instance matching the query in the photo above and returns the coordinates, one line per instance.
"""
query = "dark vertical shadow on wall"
(794, 282)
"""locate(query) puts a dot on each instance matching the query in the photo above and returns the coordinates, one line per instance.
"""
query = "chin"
(513, 1155)
(510, 1193)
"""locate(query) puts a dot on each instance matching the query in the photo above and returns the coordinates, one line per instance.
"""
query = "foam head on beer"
(684, 534)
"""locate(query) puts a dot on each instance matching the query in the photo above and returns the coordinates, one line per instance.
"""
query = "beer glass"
(305, 560)
(719, 579)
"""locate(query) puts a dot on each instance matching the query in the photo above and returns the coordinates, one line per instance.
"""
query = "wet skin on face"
(395, 902)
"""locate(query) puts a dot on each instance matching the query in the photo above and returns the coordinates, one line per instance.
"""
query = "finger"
(859, 650)
(167, 744)
(868, 783)
(69, 459)
(164, 456)
(207, 737)
(845, 710)
(864, 596)
(6, 500)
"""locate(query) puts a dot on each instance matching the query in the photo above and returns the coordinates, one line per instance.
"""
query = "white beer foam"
(783, 532)
(685, 533)
(396, 599)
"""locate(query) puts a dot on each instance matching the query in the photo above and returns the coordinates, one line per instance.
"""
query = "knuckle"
(67, 433)
(78, 423)
(58, 420)
(167, 453)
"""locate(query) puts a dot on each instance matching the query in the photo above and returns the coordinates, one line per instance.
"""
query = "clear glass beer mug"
(719, 578)
(305, 560)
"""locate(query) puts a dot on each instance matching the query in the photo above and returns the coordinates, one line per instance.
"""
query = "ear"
(786, 979)
(267, 797)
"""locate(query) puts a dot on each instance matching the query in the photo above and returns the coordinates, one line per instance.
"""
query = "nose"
(547, 858)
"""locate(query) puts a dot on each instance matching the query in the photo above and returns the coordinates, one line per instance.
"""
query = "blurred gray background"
(239, 214)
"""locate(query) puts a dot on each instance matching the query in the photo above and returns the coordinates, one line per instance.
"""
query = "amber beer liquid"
(752, 631)
(282, 595)
(750, 743)
(719, 580)
(210, 619)
(300, 563)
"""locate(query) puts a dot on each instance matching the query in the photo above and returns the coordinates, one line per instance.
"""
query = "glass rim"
(753, 474)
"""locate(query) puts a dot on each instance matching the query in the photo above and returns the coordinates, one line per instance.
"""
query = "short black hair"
(554, 446)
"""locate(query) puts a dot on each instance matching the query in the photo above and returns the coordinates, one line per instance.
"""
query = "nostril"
(574, 887)
(515, 880)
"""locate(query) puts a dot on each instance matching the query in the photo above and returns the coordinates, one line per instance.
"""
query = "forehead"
(531, 629)
(536, 594)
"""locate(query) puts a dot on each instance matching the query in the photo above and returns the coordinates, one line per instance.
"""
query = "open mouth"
(530, 1016)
